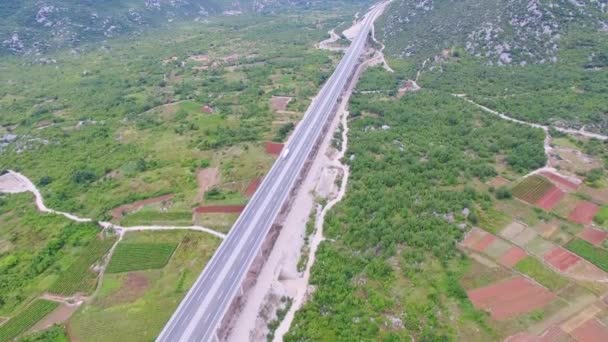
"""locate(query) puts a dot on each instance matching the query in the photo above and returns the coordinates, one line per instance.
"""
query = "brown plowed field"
(550, 199)
(591, 331)
(483, 243)
(593, 236)
(561, 259)
(499, 181)
(253, 186)
(118, 212)
(219, 209)
(510, 298)
(512, 256)
(278, 103)
(584, 213)
(561, 181)
(273, 148)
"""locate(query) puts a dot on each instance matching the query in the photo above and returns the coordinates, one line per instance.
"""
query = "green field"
(140, 256)
(602, 216)
(134, 306)
(493, 220)
(533, 268)
(147, 217)
(78, 277)
(597, 256)
(26, 319)
(55, 333)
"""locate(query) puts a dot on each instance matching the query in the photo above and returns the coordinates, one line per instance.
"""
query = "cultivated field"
(25, 319)
(135, 305)
(79, 277)
(140, 256)
(537, 190)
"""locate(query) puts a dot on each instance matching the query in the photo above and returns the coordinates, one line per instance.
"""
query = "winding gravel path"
(15, 182)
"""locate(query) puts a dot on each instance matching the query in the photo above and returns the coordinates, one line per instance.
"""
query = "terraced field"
(26, 319)
(140, 256)
(532, 188)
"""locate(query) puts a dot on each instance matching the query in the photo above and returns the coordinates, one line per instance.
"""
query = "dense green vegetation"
(391, 254)
(595, 255)
(602, 216)
(538, 62)
(545, 93)
(535, 269)
(124, 121)
(140, 256)
(78, 277)
(34, 248)
(26, 319)
(54, 334)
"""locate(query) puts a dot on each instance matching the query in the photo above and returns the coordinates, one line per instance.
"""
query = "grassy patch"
(56, 333)
(602, 216)
(178, 218)
(597, 256)
(493, 220)
(140, 256)
(26, 319)
(79, 277)
(533, 268)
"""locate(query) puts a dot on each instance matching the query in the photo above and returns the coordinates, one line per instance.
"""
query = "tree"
(503, 193)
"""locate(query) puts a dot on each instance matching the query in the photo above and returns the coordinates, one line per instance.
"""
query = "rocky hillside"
(36, 26)
(504, 31)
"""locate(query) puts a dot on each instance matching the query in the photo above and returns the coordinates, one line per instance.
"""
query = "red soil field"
(584, 212)
(561, 181)
(219, 209)
(483, 243)
(253, 186)
(550, 199)
(561, 259)
(512, 256)
(119, 211)
(273, 148)
(593, 236)
(510, 297)
(591, 331)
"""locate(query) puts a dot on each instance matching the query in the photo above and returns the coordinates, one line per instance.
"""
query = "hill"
(504, 32)
(33, 26)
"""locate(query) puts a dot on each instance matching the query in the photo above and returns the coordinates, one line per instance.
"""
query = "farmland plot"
(140, 256)
(26, 319)
(532, 189)
(78, 277)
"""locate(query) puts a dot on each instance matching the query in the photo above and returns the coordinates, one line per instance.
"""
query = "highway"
(203, 308)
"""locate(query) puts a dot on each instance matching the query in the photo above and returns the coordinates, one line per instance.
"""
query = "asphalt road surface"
(202, 310)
